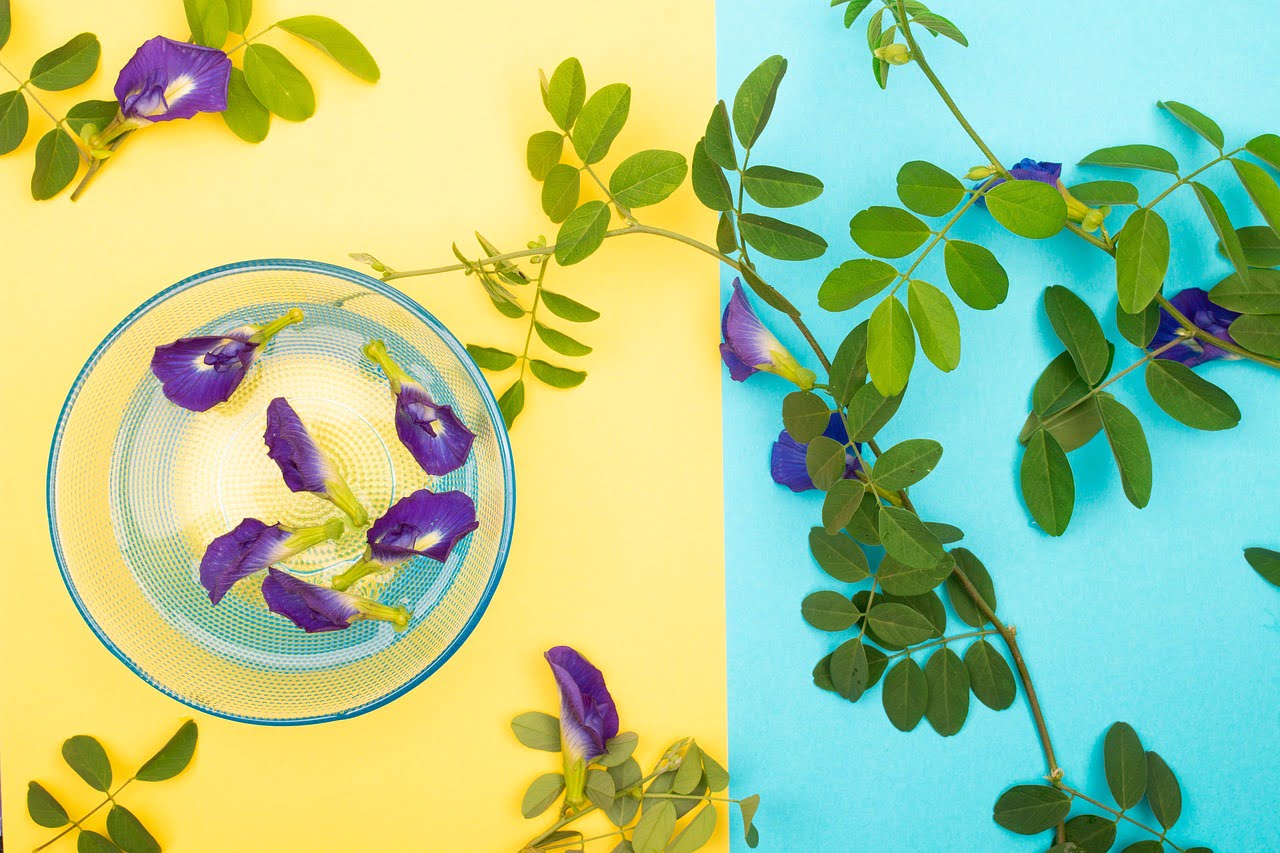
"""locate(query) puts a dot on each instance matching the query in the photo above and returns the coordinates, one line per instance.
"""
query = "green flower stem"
(533, 315)
(25, 87)
(941, 233)
(1155, 353)
(249, 39)
(1183, 181)
(1120, 814)
(908, 652)
(75, 824)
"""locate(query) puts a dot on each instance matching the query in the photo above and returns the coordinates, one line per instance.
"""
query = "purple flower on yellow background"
(253, 546)
(426, 523)
(316, 608)
(588, 716)
(749, 347)
(1193, 303)
(304, 465)
(199, 373)
(436, 437)
(169, 79)
(787, 458)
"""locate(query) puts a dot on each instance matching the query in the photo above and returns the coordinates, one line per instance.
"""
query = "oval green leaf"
(1188, 398)
(720, 138)
(561, 187)
(566, 93)
(1142, 258)
(1048, 487)
(511, 403)
(775, 187)
(900, 625)
(173, 757)
(780, 240)
(1129, 447)
(67, 66)
(44, 808)
(537, 730)
(888, 232)
(853, 282)
(805, 415)
(828, 611)
(1164, 794)
(542, 792)
(990, 677)
(57, 161)
(245, 115)
(709, 183)
(278, 84)
(128, 832)
(1196, 120)
(979, 578)
(838, 555)
(568, 309)
(556, 377)
(600, 121)
(905, 694)
(891, 347)
(1076, 326)
(1259, 333)
(647, 177)
(559, 341)
(753, 104)
(928, 189)
(1028, 208)
(848, 667)
(825, 461)
(14, 120)
(1031, 809)
(948, 681)
(1125, 764)
(906, 463)
(582, 233)
(86, 756)
(1265, 562)
(975, 274)
(337, 41)
(1104, 193)
(1256, 293)
(936, 324)
(543, 153)
(1149, 157)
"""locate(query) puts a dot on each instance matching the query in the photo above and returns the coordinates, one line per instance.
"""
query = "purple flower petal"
(199, 373)
(303, 465)
(588, 716)
(249, 548)
(750, 347)
(436, 437)
(787, 463)
(1027, 169)
(1193, 303)
(315, 609)
(169, 79)
(425, 523)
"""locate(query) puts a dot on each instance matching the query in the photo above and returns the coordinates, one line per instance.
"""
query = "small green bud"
(1092, 220)
(894, 54)
(979, 173)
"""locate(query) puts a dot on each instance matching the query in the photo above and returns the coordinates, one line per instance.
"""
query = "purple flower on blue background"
(316, 608)
(787, 458)
(588, 716)
(426, 523)
(1193, 303)
(749, 347)
(199, 373)
(303, 464)
(436, 437)
(169, 79)
(251, 547)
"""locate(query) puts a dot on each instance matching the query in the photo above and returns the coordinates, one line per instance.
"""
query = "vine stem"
(25, 87)
(1183, 181)
(570, 818)
(75, 824)
(251, 38)
(1094, 391)
(908, 652)
(1120, 814)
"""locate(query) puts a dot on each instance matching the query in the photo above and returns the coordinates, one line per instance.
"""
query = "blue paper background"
(1151, 617)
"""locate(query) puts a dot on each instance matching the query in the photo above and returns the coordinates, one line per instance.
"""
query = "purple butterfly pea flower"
(303, 464)
(787, 458)
(749, 347)
(588, 716)
(167, 80)
(1193, 303)
(316, 608)
(251, 547)
(436, 437)
(199, 373)
(426, 523)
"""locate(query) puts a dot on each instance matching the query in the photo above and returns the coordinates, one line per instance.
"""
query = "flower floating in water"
(787, 458)
(1026, 169)
(303, 464)
(253, 546)
(749, 347)
(316, 608)
(435, 436)
(1193, 303)
(167, 80)
(425, 523)
(199, 373)
(588, 717)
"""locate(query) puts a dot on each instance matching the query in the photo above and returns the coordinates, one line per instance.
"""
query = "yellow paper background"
(618, 546)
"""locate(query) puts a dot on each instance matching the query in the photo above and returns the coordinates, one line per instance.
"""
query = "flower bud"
(894, 54)
(979, 173)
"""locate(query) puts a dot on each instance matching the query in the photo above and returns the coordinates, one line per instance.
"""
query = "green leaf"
(1028, 208)
(568, 309)
(278, 84)
(980, 578)
(891, 346)
(559, 341)
(946, 533)
(599, 789)
(1188, 398)
(906, 538)
(901, 625)
(96, 113)
(1149, 157)
(975, 274)
(748, 805)
(6, 22)
(1266, 148)
(1164, 794)
(209, 21)
(1125, 764)
(775, 187)
(490, 358)
(173, 757)
(1261, 245)
(653, 832)
(825, 461)
(238, 14)
(543, 153)
(853, 282)
(1059, 386)
(852, 11)
(582, 233)
(928, 189)
(1142, 258)
(709, 183)
(647, 177)
(89, 841)
(1047, 484)
(560, 190)
(1196, 120)
(1091, 833)
(128, 832)
(542, 792)
(1072, 428)
(841, 503)
(617, 750)
(43, 807)
(626, 776)
(696, 833)
(869, 411)
(905, 694)
(1265, 194)
(897, 578)
(1256, 293)
(67, 66)
(337, 41)
(948, 682)
(1129, 447)
(1103, 193)
(245, 115)
(600, 121)
(726, 234)
(719, 138)
(935, 323)
(1265, 562)
(940, 26)
(849, 673)
(537, 730)
(1222, 225)
(1078, 329)
(805, 415)
(753, 104)
(1138, 329)
(849, 367)
(511, 403)
(717, 777)
(779, 239)
(556, 377)
(1031, 809)
(828, 611)
(906, 463)
(1258, 332)
(86, 756)
(888, 232)
(838, 555)
(990, 677)
(566, 93)
(14, 119)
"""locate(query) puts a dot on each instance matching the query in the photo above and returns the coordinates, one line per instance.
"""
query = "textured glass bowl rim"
(468, 364)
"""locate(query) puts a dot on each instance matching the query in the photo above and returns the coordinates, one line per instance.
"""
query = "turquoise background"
(1150, 616)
